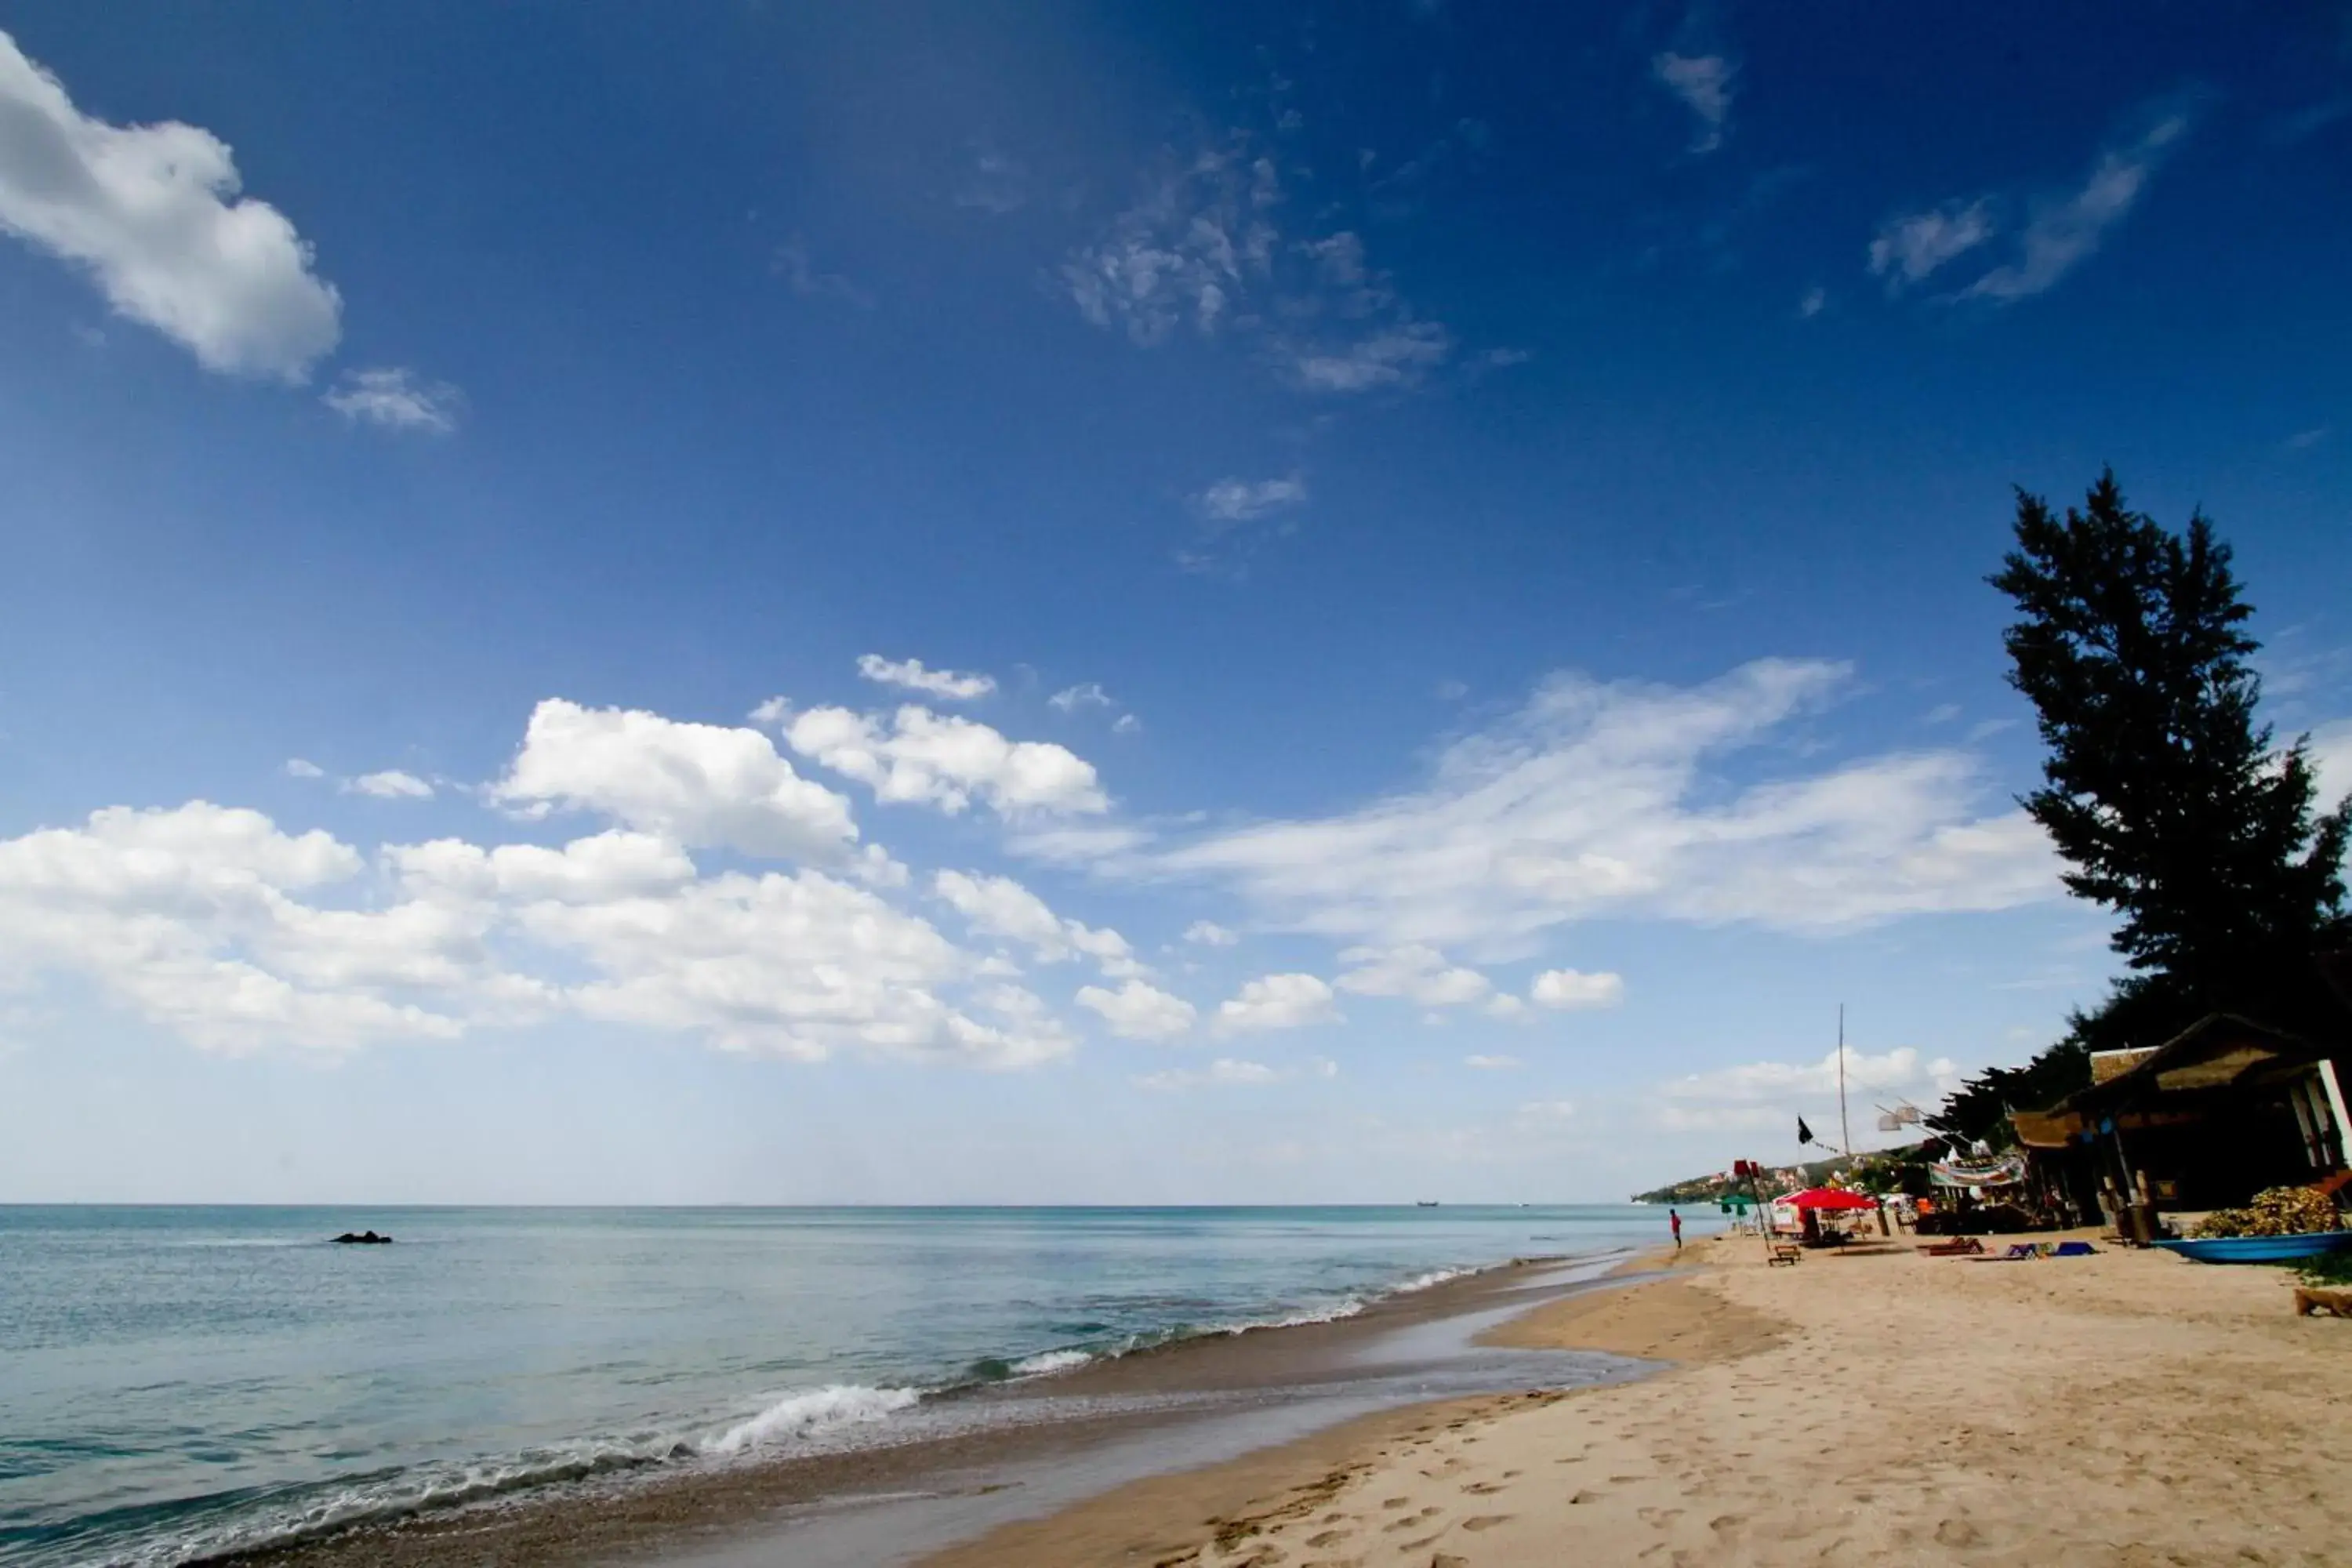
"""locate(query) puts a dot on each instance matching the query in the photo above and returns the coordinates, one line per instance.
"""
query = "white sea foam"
(798, 1416)
(1434, 1276)
(1050, 1361)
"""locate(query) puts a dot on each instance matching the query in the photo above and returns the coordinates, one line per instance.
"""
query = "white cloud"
(391, 785)
(152, 213)
(1415, 971)
(1277, 1002)
(1087, 694)
(2060, 232)
(298, 768)
(2331, 761)
(1568, 988)
(944, 760)
(1503, 1004)
(1225, 1072)
(1396, 355)
(1078, 845)
(176, 915)
(1139, 1011)
(1000, 906)
(802, 274)
(796, 966)
(211, 922)
(1209, 934)
(1231, 500)
(1540, 1112)
(2064, 231)
(703, 784)
(1606, 798)
(395, 399)
(909, 674)
(1816, 300)
(1907, 248)
(1125, 724)
(1194, 243)
(1202, 249)
(1490, 1064)
(1782, 1082)
(770, 711)
(1704, 84)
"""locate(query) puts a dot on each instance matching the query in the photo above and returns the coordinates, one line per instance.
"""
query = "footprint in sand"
(1482, 1489)
(1728, 1521)
(1394, 1501)
(1486, 1521)
(1327, 1538)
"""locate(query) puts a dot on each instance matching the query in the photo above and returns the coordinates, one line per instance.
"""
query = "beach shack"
(2219, 1113)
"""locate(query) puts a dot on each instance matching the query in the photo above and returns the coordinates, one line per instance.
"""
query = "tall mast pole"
(1845, 1132)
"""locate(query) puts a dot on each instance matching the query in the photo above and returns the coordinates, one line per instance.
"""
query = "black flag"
(1804, 1133)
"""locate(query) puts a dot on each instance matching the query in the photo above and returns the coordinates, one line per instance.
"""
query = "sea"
(181, 1382)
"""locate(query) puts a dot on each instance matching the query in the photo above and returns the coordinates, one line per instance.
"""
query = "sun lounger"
(1958, 1247)
(1784, 1253)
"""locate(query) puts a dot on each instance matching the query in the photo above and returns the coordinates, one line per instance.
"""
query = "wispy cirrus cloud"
(1704, 84)
(395, 399)
(2059, 231)
(1211, 247)
(1609, 798)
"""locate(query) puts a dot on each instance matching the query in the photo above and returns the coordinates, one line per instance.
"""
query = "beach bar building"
(2220, 1111)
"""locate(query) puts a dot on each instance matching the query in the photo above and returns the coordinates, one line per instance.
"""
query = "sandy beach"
(2127, 1408)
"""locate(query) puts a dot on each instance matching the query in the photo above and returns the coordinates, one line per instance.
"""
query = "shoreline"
(2122, 1409)
(993, 1451)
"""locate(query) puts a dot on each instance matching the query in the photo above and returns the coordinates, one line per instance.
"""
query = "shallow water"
(176, 1381)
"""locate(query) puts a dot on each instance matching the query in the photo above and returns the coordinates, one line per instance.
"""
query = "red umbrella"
(1827, 1198)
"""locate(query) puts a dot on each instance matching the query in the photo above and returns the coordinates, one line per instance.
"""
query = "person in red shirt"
(1675, 1218)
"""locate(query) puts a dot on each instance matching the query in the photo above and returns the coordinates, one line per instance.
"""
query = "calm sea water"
(176, 1381)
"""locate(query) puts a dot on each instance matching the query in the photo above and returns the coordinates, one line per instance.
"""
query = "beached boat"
(2259, 1248)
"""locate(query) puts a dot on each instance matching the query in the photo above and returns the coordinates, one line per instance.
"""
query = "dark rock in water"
(364, 1238)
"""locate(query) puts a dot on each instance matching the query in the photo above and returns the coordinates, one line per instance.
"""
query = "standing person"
(1675, 1218)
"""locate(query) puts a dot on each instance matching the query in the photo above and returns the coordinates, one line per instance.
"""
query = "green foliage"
(2329, 1270)
(1978, 1111)
(2161, 790)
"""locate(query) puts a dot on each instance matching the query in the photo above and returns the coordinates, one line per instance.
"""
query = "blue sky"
(973, 602)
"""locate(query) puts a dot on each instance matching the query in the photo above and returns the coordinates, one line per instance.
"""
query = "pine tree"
(2162, 791)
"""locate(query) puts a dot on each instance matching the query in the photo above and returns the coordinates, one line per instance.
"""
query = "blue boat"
(2259, 1248)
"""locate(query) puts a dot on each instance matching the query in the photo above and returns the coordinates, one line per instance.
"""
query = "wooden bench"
(1782, 1252)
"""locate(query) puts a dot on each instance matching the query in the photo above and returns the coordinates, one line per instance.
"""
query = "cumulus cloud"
(1209, 934)
(1139, 1011)
(299, 768)
(1608, 798)
(909, 675)
(947, 762)
(1277, 1002)
(1702, 82)
(1000, 906)
(1563, 989)
(395, 399)
(705, 785)
(214, 923)
(391, 785)
(1413, 971)
(152, 214)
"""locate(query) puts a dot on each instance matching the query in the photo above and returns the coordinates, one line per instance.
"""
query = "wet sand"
(1015, 1452)
(2127, 1409)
